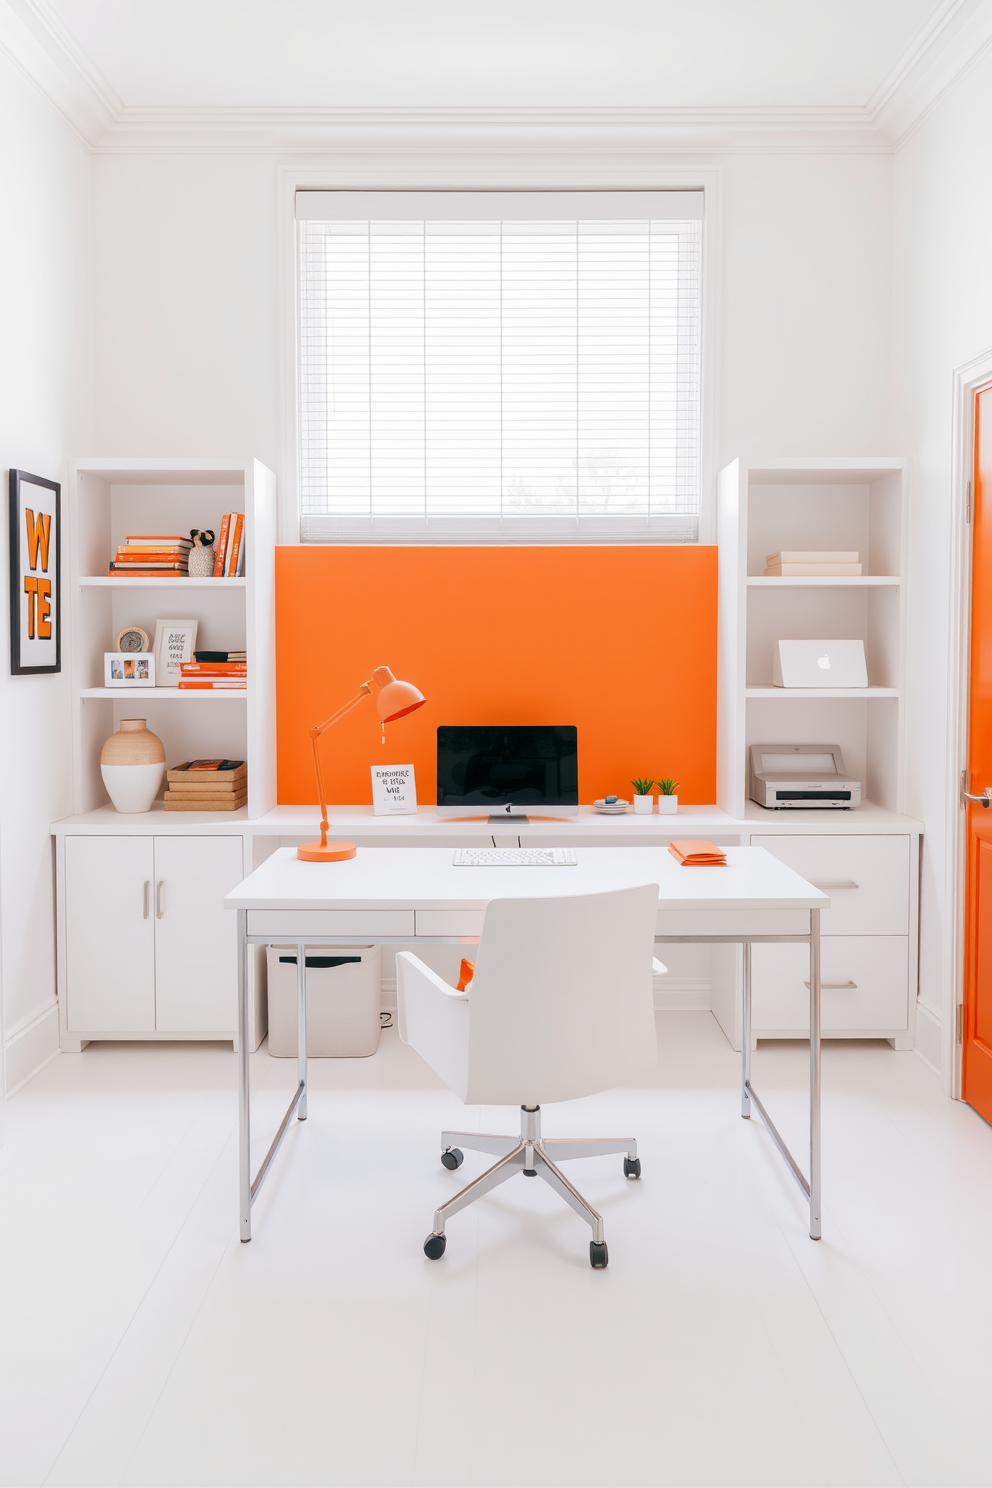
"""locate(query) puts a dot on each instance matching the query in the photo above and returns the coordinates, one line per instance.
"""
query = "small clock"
(133, 638)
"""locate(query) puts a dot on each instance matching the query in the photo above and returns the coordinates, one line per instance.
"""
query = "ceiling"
(819, 64)
(493, 53)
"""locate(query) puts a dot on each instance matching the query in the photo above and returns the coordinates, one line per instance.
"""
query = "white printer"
(799, 776)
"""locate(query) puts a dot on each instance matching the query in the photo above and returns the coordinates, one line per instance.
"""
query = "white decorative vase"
(668, 805)
(643, 805)
(132, 763)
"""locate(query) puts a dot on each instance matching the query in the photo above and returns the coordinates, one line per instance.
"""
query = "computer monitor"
(506, 769)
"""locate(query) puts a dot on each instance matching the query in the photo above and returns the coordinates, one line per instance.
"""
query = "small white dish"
(615, 808)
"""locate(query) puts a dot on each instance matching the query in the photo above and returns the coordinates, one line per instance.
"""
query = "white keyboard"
(514, 857)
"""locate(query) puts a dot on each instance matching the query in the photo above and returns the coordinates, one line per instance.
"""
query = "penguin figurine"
(201, 554)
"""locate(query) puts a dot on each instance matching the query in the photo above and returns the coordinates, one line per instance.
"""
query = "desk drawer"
(316, 924)
(450, 921)
(876, 965)
(867, 879)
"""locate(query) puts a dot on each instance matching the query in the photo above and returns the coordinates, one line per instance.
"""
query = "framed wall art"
(35, 574)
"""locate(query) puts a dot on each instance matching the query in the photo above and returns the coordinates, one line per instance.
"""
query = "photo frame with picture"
(128, 669)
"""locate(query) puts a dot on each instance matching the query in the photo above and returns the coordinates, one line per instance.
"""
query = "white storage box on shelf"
(343, 1001)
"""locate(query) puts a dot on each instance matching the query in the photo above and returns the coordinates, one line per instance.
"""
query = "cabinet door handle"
(144, 898)
(835, 986)
(158, 899)
(837, 883)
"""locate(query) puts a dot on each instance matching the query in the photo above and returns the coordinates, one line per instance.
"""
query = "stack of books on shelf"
(152, 557)
(812, 565)
(229, 549)
(215, 670)
(207, 785)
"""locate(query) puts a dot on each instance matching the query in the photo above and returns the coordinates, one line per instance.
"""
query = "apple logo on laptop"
(823, 662)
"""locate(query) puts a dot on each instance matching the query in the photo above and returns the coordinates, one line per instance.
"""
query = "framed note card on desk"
(394, 790)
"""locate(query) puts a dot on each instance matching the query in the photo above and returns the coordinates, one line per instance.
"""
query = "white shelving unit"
(870, 856)
(802, 505)
(109, 498)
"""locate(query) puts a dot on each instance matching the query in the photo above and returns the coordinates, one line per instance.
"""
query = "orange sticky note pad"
(698, 854)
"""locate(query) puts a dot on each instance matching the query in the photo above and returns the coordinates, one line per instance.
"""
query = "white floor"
(142, 1344)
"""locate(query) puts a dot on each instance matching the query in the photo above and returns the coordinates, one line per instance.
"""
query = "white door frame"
(967, 380)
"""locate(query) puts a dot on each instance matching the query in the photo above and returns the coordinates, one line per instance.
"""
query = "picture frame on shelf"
(128, 669)
(35, 574)
(175, 642)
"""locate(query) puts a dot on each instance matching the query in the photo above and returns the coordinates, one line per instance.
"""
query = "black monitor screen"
(529, 765)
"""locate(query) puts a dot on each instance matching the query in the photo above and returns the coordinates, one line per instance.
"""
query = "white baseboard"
(671, 994)
(929, 1038)
(30, 1046)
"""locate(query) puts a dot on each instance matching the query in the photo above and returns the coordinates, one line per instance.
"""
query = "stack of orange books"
(229, 549)
(698, 854)
(152, 557)
(215, 675)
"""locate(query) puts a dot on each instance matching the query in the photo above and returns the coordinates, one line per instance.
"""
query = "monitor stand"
(495, 821)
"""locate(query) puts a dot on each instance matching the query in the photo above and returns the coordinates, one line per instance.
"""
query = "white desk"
(409, 894)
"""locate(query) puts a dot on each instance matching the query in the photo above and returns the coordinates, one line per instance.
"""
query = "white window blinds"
(499, 366)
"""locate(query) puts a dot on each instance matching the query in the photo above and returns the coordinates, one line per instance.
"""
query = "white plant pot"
(133, 787)
(668, 805)
(643, 805)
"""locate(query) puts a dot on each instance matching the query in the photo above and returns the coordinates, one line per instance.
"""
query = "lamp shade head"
(395, 698)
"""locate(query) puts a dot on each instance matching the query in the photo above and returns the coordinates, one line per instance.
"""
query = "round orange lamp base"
(331, 852)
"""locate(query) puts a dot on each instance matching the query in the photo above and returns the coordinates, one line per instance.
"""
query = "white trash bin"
(342, 1001)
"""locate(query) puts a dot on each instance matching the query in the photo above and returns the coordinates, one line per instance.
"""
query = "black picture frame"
(22, 567)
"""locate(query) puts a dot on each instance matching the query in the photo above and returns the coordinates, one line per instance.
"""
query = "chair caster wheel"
(434, 1247)
(632, 1167)
(598, 1256)
(452, 1159)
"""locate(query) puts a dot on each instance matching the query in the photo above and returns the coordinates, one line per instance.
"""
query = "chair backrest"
(561, 1002)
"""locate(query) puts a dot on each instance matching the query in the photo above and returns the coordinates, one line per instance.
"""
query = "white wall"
(942, 318)
(188, 299)
(46, 415)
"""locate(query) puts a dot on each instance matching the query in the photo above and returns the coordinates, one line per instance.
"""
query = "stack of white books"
(812, 565)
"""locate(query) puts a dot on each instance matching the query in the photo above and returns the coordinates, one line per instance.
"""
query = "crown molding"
(34, 40)
(955, 35)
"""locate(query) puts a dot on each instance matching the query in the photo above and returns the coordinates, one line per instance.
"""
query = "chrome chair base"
(535, 1157)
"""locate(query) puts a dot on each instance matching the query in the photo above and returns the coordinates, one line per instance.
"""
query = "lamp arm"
(315, 733)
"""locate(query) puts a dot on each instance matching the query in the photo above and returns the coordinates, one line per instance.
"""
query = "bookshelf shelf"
(790, 693)
(162, 694)
(827, 581)
(109, 498)
(105, 581)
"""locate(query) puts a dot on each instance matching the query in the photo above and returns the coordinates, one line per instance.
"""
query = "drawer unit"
(866, 877)
(863, 981)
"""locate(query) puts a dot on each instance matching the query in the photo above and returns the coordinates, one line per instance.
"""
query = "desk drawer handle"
(835, 986)
(837, 883)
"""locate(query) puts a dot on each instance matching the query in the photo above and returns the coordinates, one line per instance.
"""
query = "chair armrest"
(657, 967)
(433, 1018)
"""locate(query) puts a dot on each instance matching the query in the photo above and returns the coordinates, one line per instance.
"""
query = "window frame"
(359, 174)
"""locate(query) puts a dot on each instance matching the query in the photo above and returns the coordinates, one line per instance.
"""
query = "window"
(499, 366)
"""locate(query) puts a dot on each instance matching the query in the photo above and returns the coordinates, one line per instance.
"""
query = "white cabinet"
(196, 940)
(109, 934)
(867, 879)
(148, 948)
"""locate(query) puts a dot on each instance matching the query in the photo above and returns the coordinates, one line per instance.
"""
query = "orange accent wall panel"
(620, 641)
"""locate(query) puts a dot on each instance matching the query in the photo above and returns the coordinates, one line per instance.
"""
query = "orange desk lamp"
(394, 700)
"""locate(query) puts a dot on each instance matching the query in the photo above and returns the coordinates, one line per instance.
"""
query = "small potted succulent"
(643, 799)
(668, 801)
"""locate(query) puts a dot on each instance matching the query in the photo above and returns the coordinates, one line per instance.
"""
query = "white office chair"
(560, 1006)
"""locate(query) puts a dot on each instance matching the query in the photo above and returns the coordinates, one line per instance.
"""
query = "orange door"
(976, 1086)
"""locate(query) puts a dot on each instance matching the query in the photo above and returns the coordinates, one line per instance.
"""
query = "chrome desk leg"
(746, 1036)
(815, 1227)
(244, 1122)
(301, 1029)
